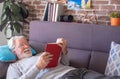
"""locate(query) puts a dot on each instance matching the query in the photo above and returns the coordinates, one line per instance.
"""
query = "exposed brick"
(115, 1)
(34, 18)
(41, 11)
(31, 7)
(99, 2)
(33, 15)
(80, 12)
(95, 7)
(101, 12)
(37, 2)
(103, 18)
(27, 3)
(69, 12)
(107, 7)
(41, 6)
(35, 11)
(102, 23)
(118, 7)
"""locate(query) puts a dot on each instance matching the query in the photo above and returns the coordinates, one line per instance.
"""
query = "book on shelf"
(45, 14)
(59, 10)
(53, 11)
(55, 50)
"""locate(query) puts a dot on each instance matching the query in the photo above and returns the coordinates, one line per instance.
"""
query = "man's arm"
(64, 59)
(15, 73)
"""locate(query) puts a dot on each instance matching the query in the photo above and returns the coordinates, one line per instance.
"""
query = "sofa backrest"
(88, 44)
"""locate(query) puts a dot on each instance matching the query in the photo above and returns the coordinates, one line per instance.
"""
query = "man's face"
(22, 48)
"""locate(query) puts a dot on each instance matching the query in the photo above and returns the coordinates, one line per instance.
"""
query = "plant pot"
(115, 21)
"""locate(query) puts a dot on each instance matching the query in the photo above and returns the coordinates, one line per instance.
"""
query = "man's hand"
(63, 43)
(43, 60)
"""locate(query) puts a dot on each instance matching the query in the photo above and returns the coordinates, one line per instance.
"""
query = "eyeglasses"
(21, 45)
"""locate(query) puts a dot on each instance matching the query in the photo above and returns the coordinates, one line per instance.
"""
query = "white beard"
(26, 54)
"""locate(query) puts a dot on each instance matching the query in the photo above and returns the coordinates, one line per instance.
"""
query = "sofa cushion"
(76, 37)
(98, 61)
(102, 37)
(113, 64)
(79, 58)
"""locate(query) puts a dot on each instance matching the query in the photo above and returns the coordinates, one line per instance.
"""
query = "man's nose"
(26, 46)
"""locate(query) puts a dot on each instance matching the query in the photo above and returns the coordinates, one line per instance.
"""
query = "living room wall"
(3, 40)
(101, 7)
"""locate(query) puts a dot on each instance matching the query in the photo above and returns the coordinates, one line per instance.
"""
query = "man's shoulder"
(26, 60)
(25, 63)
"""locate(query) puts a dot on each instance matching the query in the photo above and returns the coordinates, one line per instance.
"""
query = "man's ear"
(14, 51)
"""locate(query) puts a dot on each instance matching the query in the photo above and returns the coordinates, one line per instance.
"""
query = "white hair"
(11, 41)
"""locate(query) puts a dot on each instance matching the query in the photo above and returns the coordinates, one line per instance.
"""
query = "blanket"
(83, 73)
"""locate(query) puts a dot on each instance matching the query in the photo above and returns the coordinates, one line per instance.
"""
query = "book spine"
(45, 14)
(48, 11)
(51, 13)
(56, 12)
(54, 6)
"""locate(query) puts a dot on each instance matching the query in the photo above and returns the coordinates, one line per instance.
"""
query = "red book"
(54, 49)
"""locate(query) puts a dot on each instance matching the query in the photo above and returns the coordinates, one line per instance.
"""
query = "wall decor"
(78, 4)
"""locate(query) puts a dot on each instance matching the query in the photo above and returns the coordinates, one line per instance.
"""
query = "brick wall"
(101, 7)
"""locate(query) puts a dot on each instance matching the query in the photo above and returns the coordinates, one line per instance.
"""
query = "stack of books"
(53, 11)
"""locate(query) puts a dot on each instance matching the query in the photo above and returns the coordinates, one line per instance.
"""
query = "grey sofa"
(88, 44)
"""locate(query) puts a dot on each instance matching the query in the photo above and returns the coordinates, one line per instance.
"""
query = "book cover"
(54, 49)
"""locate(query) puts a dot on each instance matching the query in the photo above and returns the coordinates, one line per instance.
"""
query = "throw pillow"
(33, 51)
(113, 64)
(6, 55)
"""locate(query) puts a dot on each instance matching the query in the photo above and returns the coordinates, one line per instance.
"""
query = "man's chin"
(28, 55)
(25, 56)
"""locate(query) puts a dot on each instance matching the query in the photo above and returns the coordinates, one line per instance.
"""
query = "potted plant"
(13, 14)
(115, 18)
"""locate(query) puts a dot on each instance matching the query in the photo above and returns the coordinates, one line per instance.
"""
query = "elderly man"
(34, 67)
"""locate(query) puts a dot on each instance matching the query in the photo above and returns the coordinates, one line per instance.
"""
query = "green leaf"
(8, 11)
(4, 6)
(17, 27)
(23, 8)
(3, 16)
(18, 18)
(15, 8)
(4, 13)
(115, 14)
(5, 30)
(23, 11)
(3, 24)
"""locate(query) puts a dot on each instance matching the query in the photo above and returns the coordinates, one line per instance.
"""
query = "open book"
(54, 49)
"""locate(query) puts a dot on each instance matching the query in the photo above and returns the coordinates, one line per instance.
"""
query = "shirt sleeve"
(14, 73)
(64, 59)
